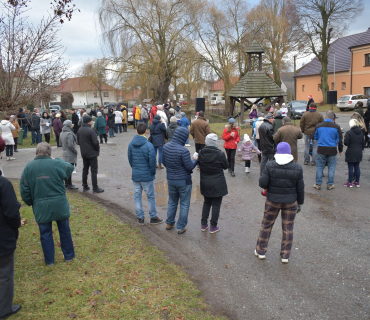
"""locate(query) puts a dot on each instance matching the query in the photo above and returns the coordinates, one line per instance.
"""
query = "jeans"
(160, 149)
(265, 157)
(148, 187)
(47, 242)
(231, 158)
(47, 137)
(307, 142)
(25, 128)
(101, 136)
(9, 150)
(111, 132)
(36, 136)
(215, 203)
(93, 163)
(174, 194)
(321, 160)
(354, 167)
(6, 284)
(118, 126)
(146, 122)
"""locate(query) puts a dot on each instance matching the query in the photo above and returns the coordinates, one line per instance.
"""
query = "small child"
(247, 153)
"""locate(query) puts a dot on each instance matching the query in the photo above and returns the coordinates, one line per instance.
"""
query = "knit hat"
(58, 115)
(260, 114)
(269, 116)
(271, 109)
(86, 119)
(183, 114)
(279, 113)
(232, 120)
(99, 114)
(283, 104)
(211, 140)
(283, 148)
(173, 119)
(160, 107)
(310, 97)
(67, 123)
(276, 104)
(246, 138)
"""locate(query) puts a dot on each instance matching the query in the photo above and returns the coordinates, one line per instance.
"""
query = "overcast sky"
(80, 36)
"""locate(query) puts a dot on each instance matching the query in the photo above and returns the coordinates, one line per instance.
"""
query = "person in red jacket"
(133, 115)
(153, 111)
(231, 137)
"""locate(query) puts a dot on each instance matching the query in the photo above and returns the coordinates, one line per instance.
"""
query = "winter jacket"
(199, 130)
(15, 132)
(168, 113)
(111, 119)
(308, 104)
(57, 126)
(367, 119)
(266, 133)
(142, 159)
(290, 134)
(230, 142)
(68, 142)
(34, 122)
(309, 121)
(212, 163)
(118, 117)
(44, 127)
(171, 130)
(42, 187)
(177, 110)
(137, 114)
(253, 114)
(354, 140)
(184, 122)
(75, 119)
(329, 136)
(6, 129)
(93, 113)
(176, 158)
(156, 129)
(124, 116)
(359, 110)
(100, 125)
(153, 112)
(246, 150)
(10, 219)
(163, 117)
(284, 182)
(284, 111)
(144, 113)
(88, 142)
(257, 126)
(278, 123)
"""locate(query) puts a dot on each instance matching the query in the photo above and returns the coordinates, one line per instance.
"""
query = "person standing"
(354, 140)
(310, 100)
(257, 125)
(176, 159)
(157, 129)
(284, 110)
(231, 138)
(177, 109)
(68, 143)
(6, 129)
(137, 114)
(290, 134)
(185, 123)
(308, 124)
(89, 147)
(111, 122)
(247, 149)
(283, 180)
(35, 128)
(359, 108)
(25, 123)
(213, 187)
(162, 114)
(142, 159)
(171, 128)
(100, 125)
(93, 112)
(199, 130)
(15, 132)
(367, 125)
(253, 113)
(145, 115)
(118, 121)
(153, 111)
(266, 133)
(329, 138)
(10, 221)
(124, 118)
(45, 126)
(278, 122)
(75, 120)
(57, 127)
(42, 187)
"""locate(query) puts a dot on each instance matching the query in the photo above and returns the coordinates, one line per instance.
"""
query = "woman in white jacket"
(162, 114)
(6, 133)
(118, 121)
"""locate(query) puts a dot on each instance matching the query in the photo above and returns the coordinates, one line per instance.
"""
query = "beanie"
(67, 123)
(232, 120)
(173, 119)
(87, 119)
(269, 116)
(211, 140)
(283, 148)
(246, 138)
(99, 114)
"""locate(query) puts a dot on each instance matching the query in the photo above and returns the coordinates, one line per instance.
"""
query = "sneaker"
(204, 227)
(7, 158)
(169, 226)
(99, 190)
(156, 221)
(68, 260)
(246, 169)
(284, 260)
(232, 174)
(11, 158)
(181, 231)
(50, 264)
(87, 188)
(348, 185)
(306, 163)
(357, 184)
(140, 221)
(260, 256)
(187, 145)
(330, 187)
(214, 229)
(313, 163)
(317, 186)
(72, 187)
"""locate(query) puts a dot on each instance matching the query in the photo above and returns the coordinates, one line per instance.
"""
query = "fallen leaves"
(23, 222)
(72, 315)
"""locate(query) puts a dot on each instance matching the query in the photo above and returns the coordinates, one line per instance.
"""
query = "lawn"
(27, 143)
(116, 274)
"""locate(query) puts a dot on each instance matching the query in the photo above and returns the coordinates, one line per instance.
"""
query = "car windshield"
(214, 98)
(344, 98)
(299, 104)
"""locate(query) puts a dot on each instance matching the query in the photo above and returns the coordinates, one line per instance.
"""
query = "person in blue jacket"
(185, 123)
(157, 128)
(142, 159)
(176, 159)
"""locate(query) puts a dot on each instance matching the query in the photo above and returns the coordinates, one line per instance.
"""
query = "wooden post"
(242, 110)
(260, 61)
(249, 62)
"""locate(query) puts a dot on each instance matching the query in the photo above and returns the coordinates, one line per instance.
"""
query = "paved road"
(328, 273)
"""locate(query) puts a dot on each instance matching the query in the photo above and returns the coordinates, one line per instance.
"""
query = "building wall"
(360, 73)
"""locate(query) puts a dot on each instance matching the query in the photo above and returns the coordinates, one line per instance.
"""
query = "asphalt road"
(328, 273)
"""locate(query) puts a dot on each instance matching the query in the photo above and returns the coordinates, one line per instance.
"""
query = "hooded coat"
(111, 119)
(100, 125)
(278, 123)
(142, 159)
(212, 163)
(6, 128)
(184, 122)
(156, 131)
(246, 150)
(354, 140)
(171, 130)
(153, 112)
(34, 122)
(231, 142)
(68, 141)
(290, 134)
(88, 142)
(118, 117)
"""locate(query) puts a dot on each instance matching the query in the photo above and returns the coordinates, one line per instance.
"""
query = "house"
(84, 92)
(350, 56)
(148, 101)
(218, 88)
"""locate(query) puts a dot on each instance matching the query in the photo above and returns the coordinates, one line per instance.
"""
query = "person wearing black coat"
(34, 127)
(212, 163)
(367, 124)
(266, 133)
(354, 140)
(111, 122)
(282, 180)
(310, 100)
(157, 130)
(10, 221)
(75, 120)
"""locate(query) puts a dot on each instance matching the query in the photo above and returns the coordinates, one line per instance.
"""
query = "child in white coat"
(247, 153)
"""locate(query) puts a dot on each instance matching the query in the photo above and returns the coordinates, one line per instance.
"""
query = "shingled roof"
(256, 84)
(255, 47)
(341, 47)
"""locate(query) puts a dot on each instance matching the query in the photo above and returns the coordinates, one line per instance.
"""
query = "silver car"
(349, 101)
(130, 118)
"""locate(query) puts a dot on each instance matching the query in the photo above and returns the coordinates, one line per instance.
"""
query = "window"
(105, 94)
(367, 91)
(343, 86)
(367, 59)
(319, 87)
(332, 86)
(95, 94)
(303, 87)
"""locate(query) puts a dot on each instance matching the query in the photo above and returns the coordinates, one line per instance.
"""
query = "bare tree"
(30, 55)
(321, 22)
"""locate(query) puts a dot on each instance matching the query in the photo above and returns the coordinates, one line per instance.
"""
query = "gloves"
(299, 208)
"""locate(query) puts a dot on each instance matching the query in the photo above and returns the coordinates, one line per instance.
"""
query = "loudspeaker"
(332, 97)
(200, 104)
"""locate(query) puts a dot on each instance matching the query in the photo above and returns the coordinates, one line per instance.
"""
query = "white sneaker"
(284, 260)
(187, 145)
(7, 158)
(11, 158)
(246, 169)
(260, 256)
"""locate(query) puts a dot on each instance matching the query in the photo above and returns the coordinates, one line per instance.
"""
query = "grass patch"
(27, 143)
(327, 107)
(116, 274)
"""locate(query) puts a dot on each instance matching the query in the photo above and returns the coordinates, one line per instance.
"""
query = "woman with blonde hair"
(231, 138)
(15, 132)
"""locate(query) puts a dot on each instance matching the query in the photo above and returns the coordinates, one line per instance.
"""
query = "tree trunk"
(324, 78)
(276, 73)
(101, 98)
(162, 90)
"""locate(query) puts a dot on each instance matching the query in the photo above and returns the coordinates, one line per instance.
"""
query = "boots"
(159, 166)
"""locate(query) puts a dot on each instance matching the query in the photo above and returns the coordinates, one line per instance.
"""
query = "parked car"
(368, 102)
(349, 101)
(130, 117)
(296, 108)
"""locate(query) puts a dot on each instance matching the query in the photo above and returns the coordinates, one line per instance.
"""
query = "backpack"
(144, 113)
(2, 144)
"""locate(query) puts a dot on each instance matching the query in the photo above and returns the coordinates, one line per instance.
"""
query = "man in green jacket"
(42, 187)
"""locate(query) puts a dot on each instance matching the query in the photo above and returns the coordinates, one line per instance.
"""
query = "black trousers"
(75, 128)
(57, 137)
(6, 284)
(231, 158)
(69, 180)
(93, 163)
(215, 203)
(47, 137)
(101, 136)
(124, 127)
(199, 147)
(247, 163)
(259, 148)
